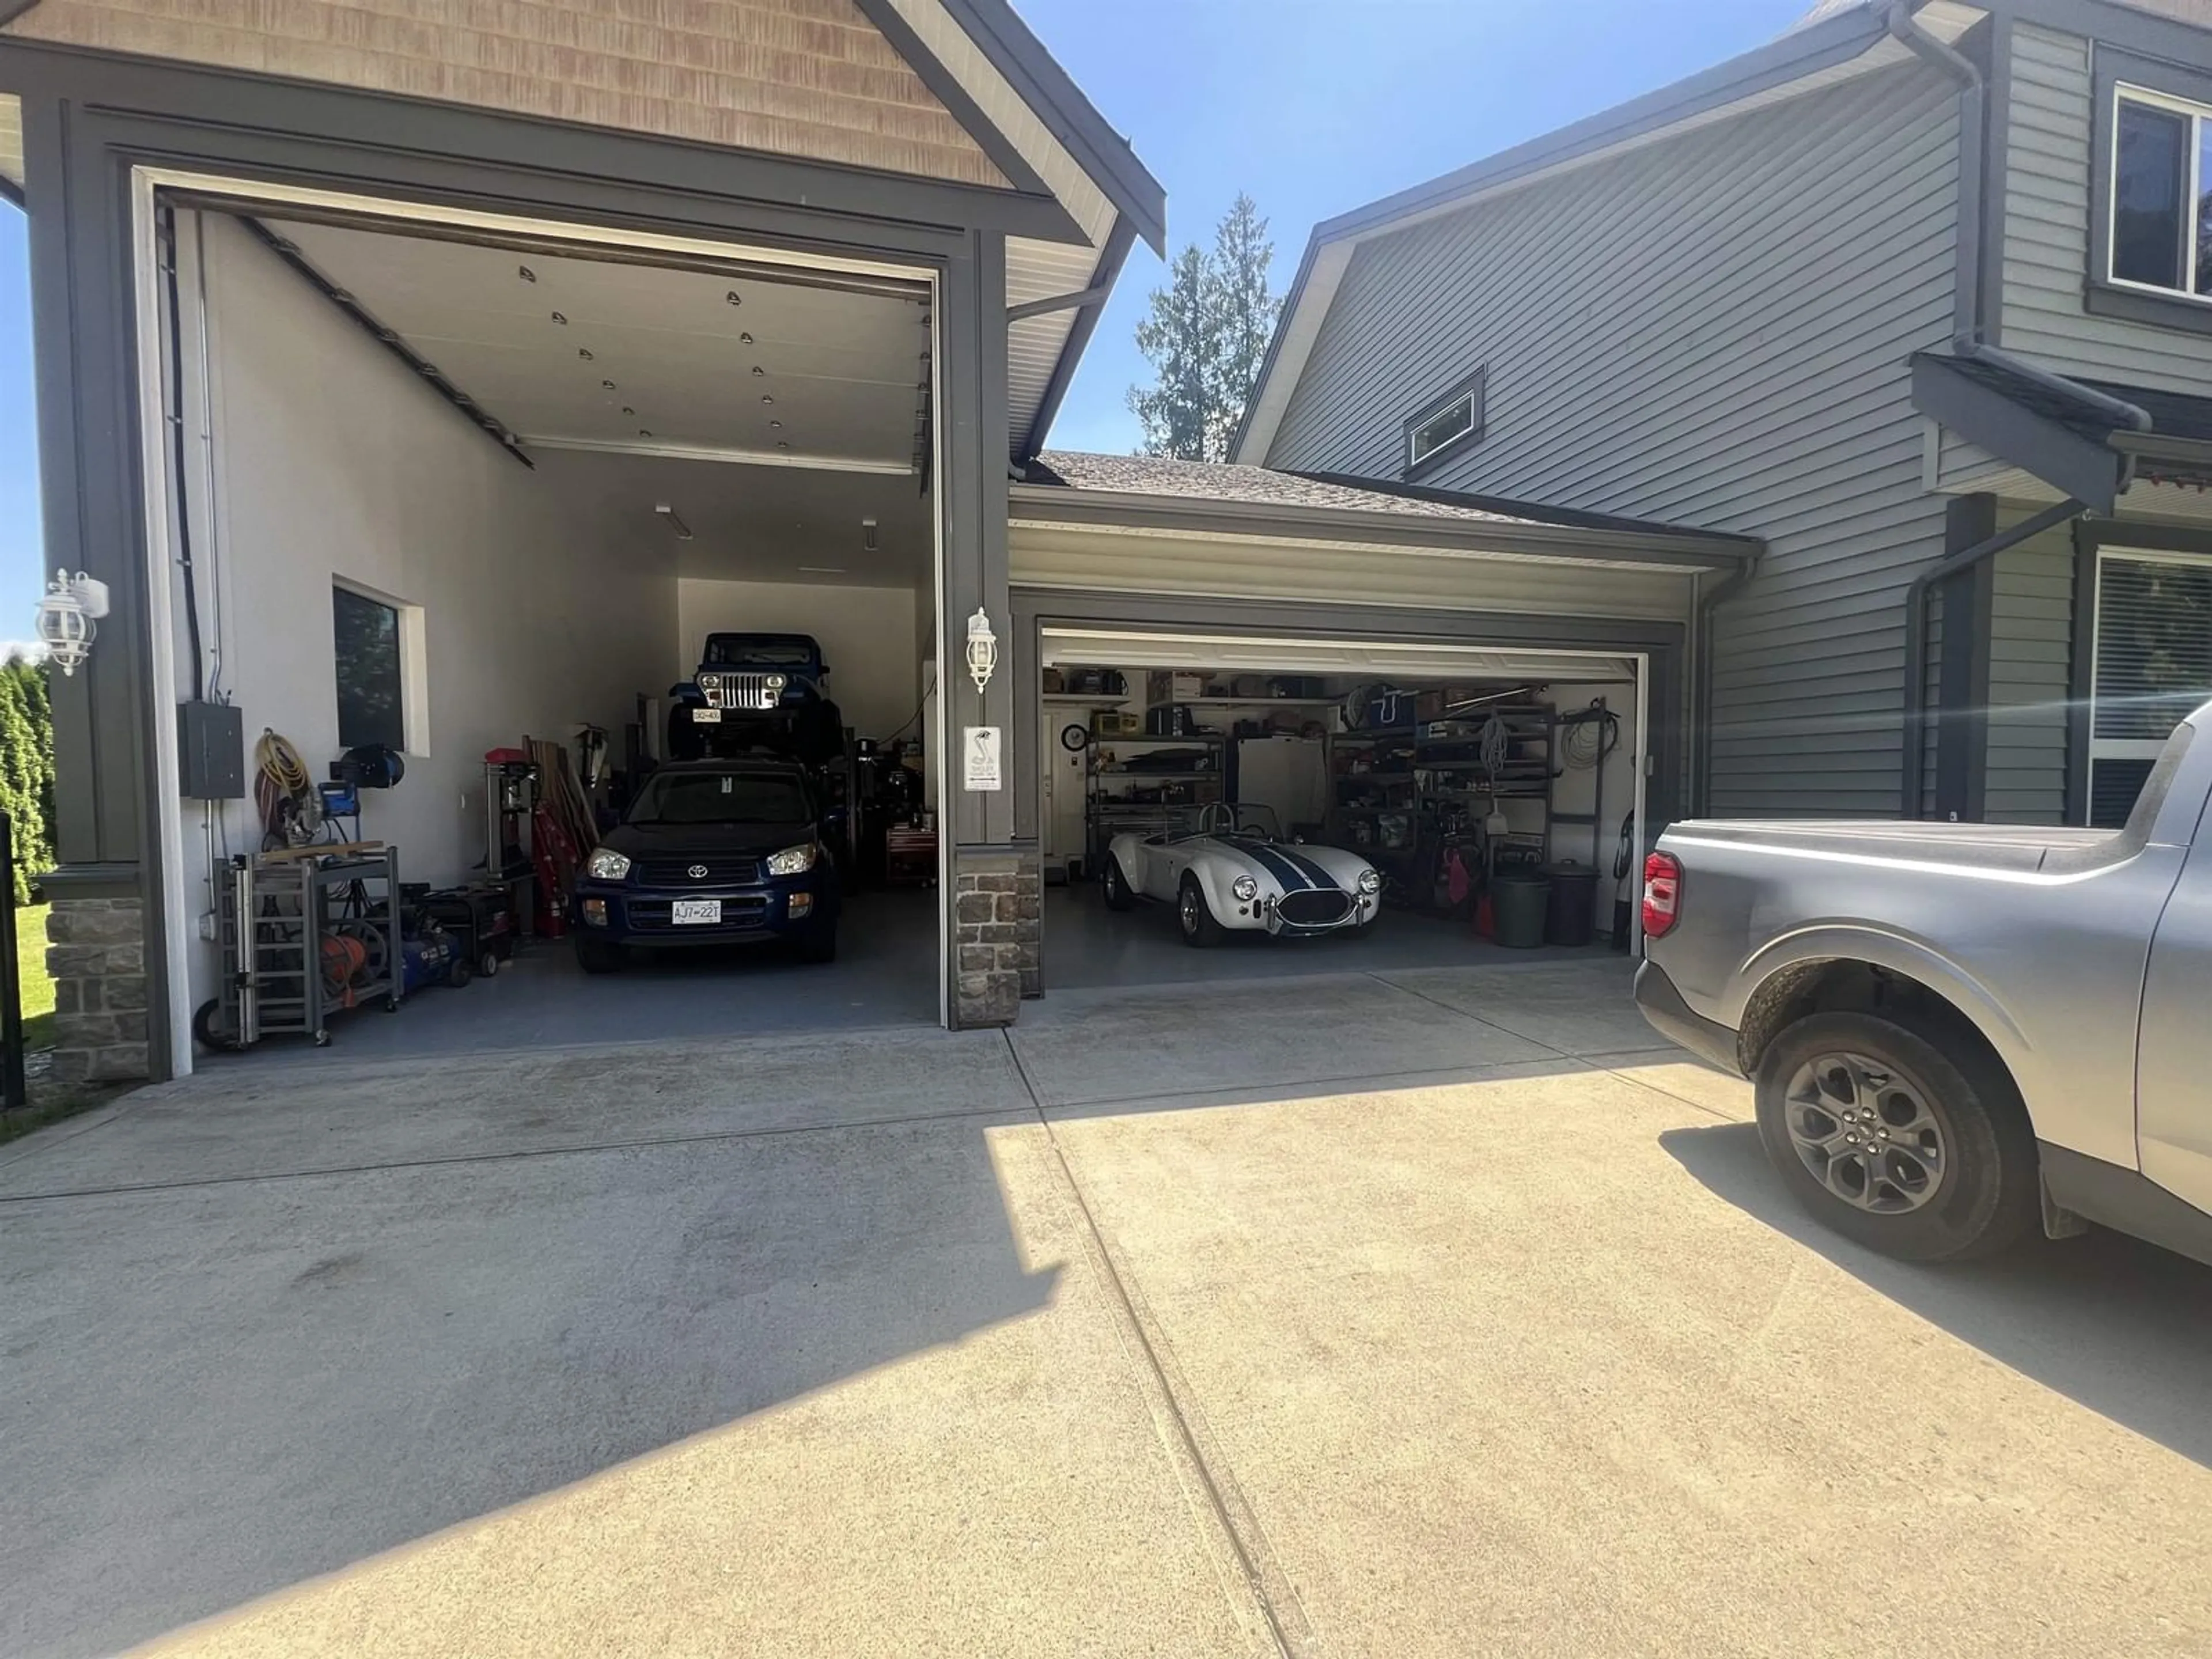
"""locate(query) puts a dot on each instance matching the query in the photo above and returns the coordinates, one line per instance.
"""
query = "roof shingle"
(1262, 488)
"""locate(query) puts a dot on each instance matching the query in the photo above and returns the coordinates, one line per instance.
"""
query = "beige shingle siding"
(1710, 331)
(11, 139)
(810, 78)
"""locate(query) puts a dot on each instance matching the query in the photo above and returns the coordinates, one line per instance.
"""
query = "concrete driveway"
(1431, 1313)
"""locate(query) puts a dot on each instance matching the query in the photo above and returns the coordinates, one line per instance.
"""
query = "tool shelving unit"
(275, 912)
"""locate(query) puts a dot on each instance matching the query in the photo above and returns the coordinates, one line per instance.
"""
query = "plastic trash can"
(1571, 914)
(1519, 901)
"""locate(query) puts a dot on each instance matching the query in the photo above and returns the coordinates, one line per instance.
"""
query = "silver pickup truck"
(1956, 1030)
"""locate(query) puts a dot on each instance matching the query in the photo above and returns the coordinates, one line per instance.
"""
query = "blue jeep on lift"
(757, 691)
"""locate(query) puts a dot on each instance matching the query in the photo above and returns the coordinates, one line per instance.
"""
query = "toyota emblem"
(697, 872)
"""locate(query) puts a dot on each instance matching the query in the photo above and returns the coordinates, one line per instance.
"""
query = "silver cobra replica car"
(1230, 869)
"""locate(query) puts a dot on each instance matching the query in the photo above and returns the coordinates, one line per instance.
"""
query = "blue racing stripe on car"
(1314, 873)
(1288, 876)
(1295, 872)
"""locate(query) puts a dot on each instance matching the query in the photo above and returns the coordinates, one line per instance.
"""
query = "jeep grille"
(751, 691)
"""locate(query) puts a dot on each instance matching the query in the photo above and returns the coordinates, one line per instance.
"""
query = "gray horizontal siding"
(2049, 138)
(1712, 330)
(2030, 675)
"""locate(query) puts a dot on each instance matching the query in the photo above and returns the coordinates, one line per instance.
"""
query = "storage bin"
(1518, 901)
(1569, 916)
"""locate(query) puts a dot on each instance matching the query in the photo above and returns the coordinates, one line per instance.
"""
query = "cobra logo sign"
(697, 872)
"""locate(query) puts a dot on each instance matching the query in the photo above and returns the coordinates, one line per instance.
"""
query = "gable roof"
(957, 91)
(1838, 39)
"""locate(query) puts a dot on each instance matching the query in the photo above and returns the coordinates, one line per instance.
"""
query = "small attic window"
(1444, 426)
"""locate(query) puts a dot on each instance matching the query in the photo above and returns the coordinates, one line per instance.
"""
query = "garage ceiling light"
(682, 529)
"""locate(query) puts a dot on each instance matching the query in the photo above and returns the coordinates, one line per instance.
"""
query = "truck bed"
(2025, 847)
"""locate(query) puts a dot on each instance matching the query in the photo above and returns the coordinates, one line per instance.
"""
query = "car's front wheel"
(1921, 1154)
(1195, 915)
(596, 956)
(1114, 885)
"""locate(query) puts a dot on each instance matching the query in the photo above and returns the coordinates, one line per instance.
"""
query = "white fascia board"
(994, 95)
(1300, 327)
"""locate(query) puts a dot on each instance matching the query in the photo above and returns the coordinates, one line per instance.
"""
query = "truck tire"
(1923, 1153)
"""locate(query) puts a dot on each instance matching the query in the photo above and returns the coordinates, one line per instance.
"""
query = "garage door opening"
(1292, 805)
(588, 583)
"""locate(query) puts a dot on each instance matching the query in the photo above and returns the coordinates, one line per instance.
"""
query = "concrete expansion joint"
(1586, 1060)
(1265, 1599)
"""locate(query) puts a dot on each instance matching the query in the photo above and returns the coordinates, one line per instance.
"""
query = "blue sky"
(1311, 106)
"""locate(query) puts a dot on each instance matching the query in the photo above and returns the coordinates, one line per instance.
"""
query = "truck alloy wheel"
(1909, 1138)
(1862, 1129)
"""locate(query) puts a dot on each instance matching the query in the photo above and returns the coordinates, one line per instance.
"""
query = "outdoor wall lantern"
(66, 616)
(982, 648)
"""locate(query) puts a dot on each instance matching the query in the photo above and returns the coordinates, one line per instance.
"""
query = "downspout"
(1966, 341)
(1916, 633)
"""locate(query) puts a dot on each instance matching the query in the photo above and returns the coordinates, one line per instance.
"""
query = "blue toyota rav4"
(711, 852)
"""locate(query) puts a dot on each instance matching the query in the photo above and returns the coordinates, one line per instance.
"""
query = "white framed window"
(2159, 239)
(1445, 425)
(378, 669)
(2151, 667)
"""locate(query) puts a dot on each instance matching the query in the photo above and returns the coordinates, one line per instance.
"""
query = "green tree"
(1206, 337)
(26, 768)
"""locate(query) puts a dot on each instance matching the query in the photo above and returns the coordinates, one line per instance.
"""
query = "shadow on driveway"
(2119, 1326)
(215, 1391)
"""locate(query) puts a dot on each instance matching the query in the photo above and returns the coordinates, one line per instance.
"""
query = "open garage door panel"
(1342, 658)
(465, 487)
(1461, 801)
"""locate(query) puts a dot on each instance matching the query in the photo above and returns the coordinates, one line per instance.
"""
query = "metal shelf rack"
(1414, 761)
(278, 917)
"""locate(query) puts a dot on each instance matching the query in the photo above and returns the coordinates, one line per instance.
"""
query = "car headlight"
(777, 682)
(606, 865)
(1371, 881)
(792, 861)
(1245, 888)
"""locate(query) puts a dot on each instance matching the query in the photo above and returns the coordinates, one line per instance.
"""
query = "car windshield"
(758, 653)
(1219, 818)
(722, 798)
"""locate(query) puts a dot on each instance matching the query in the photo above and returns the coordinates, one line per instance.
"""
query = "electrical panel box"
(211, 751)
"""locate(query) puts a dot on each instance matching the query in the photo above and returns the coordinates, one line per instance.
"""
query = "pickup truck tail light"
(1662, 893)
